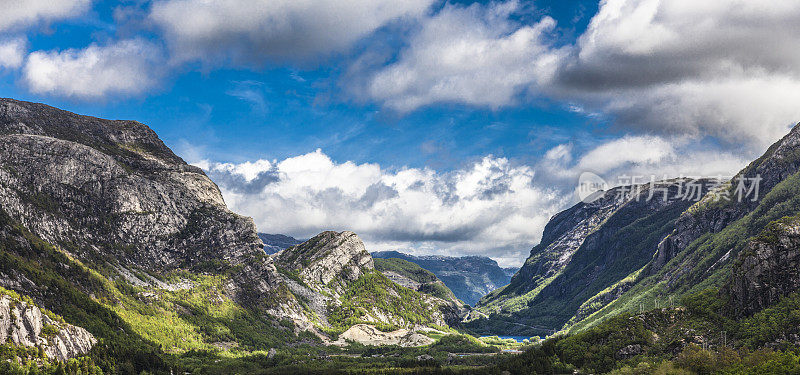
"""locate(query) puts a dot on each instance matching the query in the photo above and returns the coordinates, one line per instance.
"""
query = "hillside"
(470, 278)
(613, 256)
(135, 250)
(340, 286)
(414, 277)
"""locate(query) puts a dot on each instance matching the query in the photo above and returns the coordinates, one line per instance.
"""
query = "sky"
(429, 127)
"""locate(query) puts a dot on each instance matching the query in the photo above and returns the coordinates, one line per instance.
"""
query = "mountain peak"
(328, 256)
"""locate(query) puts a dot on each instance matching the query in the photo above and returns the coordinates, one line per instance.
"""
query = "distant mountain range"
(274, 243)
(470, 277)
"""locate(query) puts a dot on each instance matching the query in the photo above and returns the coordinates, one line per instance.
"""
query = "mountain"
(470, 277)
(140, 261)
(414, 277)
(340, 286)
(599, 259)
(720, 292)
(274, 243)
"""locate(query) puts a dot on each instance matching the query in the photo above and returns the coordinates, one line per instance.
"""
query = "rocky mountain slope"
(585, 250)
(611, 256)
(102, 224)
(470, 278)
(336, 280)
(24, 324)
(274, 243)
(111, 192)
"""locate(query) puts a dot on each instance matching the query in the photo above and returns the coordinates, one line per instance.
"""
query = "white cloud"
(128, 67)
(474, 55)
(725, 69)
(249, 32)
(636, 150)
(17, 13)
(488, 208)
(12, 52)
(640, 159)
(728, 69)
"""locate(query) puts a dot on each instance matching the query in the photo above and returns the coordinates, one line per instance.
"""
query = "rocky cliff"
(767, 270)
(24, 324)
(111, 193)
(328, 257)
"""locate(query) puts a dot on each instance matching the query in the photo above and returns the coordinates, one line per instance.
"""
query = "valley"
(118, 257)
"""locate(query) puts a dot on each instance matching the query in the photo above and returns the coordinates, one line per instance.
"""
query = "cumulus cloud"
(12, 52)
(249, 32)
(128, 67)
(636, 150)
(726, 69)
(490, 207)
(473, 55)
(18, 13)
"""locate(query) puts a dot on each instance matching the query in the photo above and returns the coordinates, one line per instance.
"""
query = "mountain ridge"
(469, 277)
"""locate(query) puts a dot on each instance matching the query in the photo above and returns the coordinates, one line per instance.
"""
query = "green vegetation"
(375, 291)
(405, 268)
(695, 338)
(430, 284)
(606, 257)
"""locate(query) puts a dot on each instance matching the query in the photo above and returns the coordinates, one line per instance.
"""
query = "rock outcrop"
(328, 256)
(768, 270)
(24, 324)
(369, 335)
(334, 274)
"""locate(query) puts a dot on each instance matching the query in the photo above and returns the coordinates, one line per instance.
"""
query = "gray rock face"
(330, 262)
(767, 271)
(22, 324)
(328, 256)
(779, 162)
(112, 190)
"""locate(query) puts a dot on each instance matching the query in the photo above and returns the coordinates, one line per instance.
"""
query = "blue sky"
(277, 110)
(425, 126)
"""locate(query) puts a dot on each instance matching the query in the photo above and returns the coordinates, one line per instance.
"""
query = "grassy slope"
(375, 291)
(430, 283)
(671, 340)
